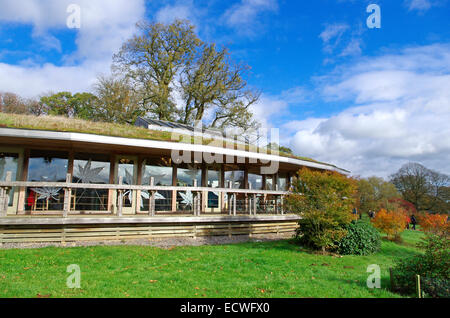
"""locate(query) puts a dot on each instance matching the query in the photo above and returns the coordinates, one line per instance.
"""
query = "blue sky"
(365, 99)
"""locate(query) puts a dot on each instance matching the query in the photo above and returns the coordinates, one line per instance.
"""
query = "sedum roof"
(64, 124)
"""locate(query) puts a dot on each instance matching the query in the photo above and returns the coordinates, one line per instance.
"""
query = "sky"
(365, 99)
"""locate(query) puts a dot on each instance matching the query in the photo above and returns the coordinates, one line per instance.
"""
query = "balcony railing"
(119, 199)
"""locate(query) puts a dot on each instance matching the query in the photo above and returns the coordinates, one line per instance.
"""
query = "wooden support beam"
(195, 199)
(151, 198)
(229, 197)
(174, 184)
(248, 201)
(254, 204)
(67, 196)
(120, 198)
(4, 195)
(281, 205)
(2, 202)
(234, 204)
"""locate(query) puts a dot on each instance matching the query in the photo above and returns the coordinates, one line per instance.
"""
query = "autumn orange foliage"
(392, 222)
(434, 223)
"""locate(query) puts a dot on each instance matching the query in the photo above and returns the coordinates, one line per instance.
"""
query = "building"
(66, 180)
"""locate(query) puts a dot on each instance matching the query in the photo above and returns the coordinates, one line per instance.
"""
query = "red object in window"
(30, 199)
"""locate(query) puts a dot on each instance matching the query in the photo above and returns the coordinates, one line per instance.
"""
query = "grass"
(64, 124)
(254, 269)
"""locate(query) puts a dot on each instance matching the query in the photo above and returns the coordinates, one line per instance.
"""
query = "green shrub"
(361, 239)
(436, 287)
(433, 267)
(324, 201)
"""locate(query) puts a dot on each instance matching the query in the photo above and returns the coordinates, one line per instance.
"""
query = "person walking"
(413, 221)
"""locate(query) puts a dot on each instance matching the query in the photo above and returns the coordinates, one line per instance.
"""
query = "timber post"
(229, 197)
(67, 195)
(120, 198)
(249, 201)
(4, 192)
(276, 199)
(151, 198)
(418, 289)
(195, 200)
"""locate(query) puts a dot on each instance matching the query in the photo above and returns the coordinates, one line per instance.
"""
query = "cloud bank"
(398, 111)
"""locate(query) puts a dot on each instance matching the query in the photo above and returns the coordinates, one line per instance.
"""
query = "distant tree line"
(165, 72)
(413, 187)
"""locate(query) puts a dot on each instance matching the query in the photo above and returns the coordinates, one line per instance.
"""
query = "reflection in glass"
(269, 182)
(161, 171)
(126, 171)
(46, 166)
(282, 182)
(213, 182)
(255, 180)
(236, 177)
(8, 162)
(187, 174)
(90, 168)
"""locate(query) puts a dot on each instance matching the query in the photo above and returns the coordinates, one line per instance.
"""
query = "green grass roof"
(64, 124)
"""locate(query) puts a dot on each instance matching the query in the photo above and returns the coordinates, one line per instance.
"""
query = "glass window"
(187, 174)
(255, 180)
(236, 177)
(46, 166)
(90, 168)
(161, 171)
(8, 162)
(269, 182)
(282, 182)
(126, 170)
(214, 181)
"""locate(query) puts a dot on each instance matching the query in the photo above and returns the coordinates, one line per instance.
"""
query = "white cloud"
(420, 5)
(104, 26)
(268, 108)
(244, 15)
(399, 111)
(183, 11)
(332, 35)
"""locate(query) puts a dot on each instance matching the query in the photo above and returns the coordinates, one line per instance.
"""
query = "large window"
(186, 174)
(126, 170)
(8, 162)
(213, 181)
(269, 182)
(46, 166)
(161, 171)
(282, 182)
(90, 168)
(255, 180)
(236, 177)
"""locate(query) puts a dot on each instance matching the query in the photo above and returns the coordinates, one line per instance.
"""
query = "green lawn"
(268, 269)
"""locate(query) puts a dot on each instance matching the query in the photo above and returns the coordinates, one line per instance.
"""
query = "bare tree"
(423, 187)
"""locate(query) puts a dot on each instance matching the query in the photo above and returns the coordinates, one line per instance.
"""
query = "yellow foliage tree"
(392, 222)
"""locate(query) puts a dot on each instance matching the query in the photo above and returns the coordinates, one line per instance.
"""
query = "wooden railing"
(120, 188)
